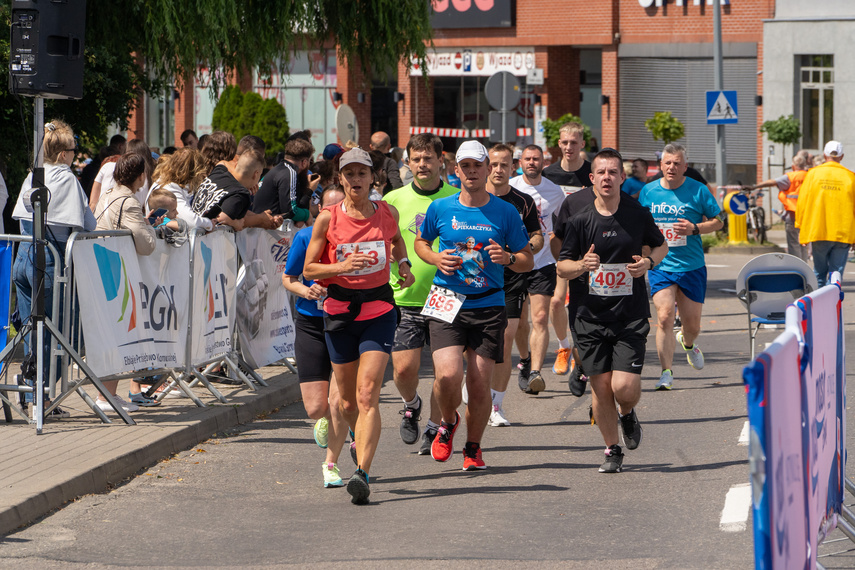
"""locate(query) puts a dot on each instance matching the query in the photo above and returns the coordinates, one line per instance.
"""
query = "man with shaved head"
(380, 141)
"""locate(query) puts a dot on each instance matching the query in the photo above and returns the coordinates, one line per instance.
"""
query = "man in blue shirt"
(636, 182)
(683, 209)
(466, 306)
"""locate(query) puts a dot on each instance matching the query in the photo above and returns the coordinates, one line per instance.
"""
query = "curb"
(35, 499)
(746, 250)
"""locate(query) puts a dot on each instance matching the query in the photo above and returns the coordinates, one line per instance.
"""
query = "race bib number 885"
(376, 250)
(611, 280)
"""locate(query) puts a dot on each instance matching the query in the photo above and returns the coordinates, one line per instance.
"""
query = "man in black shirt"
(604, 240)
(285, 189)
(224, 196)
(572, 172)
(516, 284)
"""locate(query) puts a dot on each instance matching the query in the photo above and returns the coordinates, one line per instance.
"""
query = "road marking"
(743, 435)
(737, 505)
(711, 265)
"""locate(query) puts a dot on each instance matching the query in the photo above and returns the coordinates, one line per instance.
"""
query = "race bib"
(375, 249)
(671, 236)
(571, 189)
(443, 304)
(611, 280)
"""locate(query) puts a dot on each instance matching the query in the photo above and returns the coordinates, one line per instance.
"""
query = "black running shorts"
(605, 347)
(482, 330)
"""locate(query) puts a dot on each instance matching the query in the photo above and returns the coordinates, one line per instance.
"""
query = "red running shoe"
(443, 445)
(472, 458)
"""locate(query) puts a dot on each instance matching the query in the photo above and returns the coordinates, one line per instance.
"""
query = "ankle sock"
(413, 403)
(564, 343)
(497, 397)
(431, 425)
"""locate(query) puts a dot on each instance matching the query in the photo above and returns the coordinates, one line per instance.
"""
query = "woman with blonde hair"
(68, 213)
(181, 173)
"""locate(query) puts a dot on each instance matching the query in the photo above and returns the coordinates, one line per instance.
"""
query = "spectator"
(189, 139)
(140, 147)
(170, 228)
(788, 193)
(286, 190)
(68, 213)
(219, 146)
(825, 213)
(381, 142)
(224, 196)
(181, 174)
(118, 209)
(406, 172)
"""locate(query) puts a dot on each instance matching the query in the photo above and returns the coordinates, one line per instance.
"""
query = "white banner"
(482, 62)
(133, 308)
(215, 276)
(265, 324)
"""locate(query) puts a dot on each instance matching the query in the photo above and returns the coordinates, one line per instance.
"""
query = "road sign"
(721, 108)
(503, 127)
(502, 91)
(534, 76)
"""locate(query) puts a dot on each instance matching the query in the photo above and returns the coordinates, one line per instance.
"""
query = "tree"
(783, 130)
(244, 114)
(551, 129)
(665, 127)
(176, 38)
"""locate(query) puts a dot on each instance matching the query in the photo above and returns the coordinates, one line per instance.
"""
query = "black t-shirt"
(616, 239)
(527, 209)
(277, 191)
(220, 192)
(576, 179)
(573, 204)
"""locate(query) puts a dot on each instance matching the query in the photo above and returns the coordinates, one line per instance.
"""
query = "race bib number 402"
(376, 250)
(611, 280)
(671, 236)
(443, 304)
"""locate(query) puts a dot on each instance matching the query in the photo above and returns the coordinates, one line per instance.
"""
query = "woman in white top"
(181, 173)
(68, 212)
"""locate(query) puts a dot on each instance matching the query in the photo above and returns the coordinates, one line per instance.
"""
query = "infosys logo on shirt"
(669, 209)
(458, 225)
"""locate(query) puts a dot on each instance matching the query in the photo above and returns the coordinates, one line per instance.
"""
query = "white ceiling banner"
(483, 62)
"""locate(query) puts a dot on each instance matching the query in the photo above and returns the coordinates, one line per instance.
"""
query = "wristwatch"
(652, 263)
(696, 231)
(513, 259)
(405, 260)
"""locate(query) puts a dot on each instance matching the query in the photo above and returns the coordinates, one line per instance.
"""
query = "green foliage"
(248, 114)
(665, 127)
(783, 130)
(551, 129)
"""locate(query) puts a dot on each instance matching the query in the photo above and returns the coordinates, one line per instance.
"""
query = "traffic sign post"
(721, 108)
(502, 91)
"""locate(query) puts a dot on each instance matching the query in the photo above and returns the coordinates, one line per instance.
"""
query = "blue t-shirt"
(294, 266)
(469, 231)
(691, 201)
(632, 185)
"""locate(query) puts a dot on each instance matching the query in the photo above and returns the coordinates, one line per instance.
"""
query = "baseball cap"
(833, 148)
(332, 150)
(355, 155)
(473, 150)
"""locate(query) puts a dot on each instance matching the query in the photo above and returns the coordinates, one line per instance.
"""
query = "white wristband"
(404, 260)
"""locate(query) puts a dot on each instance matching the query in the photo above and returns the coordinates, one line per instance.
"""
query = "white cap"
(355, 155)
(833, 148)
(473, 150)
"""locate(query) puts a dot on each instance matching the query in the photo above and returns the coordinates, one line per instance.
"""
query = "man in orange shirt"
(788, 193)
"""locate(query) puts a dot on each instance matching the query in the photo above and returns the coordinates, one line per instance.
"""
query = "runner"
(412, 201)
(320, 393)
(467, 312)
(350, 252)
(543, 300)
(516, 284)
(605, 240)
(683, 209)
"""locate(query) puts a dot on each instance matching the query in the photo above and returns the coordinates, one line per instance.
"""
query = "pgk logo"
(114, 274)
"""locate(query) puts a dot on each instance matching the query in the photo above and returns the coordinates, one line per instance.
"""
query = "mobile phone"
(152, 219)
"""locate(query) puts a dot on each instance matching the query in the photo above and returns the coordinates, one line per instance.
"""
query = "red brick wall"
(561, 80)
(350, 82)
(185, 112)
(416, 110)
(610, 89)
(136, 121)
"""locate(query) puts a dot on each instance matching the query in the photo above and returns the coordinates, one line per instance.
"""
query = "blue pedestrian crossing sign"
(721, 108)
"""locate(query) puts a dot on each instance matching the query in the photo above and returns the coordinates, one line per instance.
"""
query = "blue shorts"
(362, 336)
(692, 283)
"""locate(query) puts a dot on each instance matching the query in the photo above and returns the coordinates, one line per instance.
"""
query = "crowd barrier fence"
(796, 391)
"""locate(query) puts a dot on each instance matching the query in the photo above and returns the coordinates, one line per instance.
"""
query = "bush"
(551, 129)
(665, 127)
(244, 114)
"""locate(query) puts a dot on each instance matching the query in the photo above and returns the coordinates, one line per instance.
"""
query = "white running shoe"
(693, 355)
(106, 407)
(665, 380)
(497, 417)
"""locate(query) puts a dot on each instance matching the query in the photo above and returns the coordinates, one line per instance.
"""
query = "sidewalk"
(80, 455)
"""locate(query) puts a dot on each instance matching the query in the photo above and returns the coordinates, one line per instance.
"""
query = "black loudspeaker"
(46, 55)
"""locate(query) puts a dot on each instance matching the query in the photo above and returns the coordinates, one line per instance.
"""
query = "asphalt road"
(254, 496)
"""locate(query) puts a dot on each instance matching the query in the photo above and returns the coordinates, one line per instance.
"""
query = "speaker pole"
(40, 203)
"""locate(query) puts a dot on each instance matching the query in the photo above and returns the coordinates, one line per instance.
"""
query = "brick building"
(612, 62)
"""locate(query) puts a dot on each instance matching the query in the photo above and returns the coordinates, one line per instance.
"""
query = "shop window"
(817, 99)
